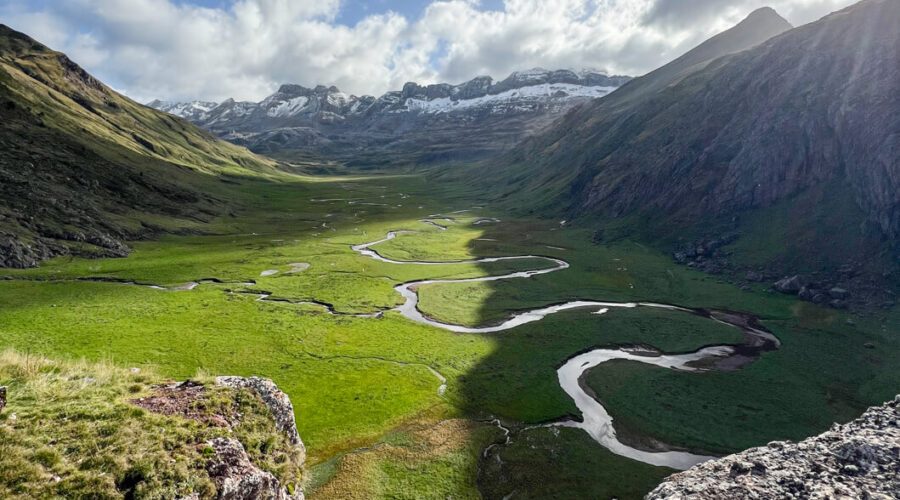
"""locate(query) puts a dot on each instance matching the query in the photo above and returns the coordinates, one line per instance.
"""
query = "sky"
(244, 49)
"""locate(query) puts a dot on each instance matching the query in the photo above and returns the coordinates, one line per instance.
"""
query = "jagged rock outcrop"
(857, 460)
(230, 468)
(277, 401)
(17, 254)
(236, 477)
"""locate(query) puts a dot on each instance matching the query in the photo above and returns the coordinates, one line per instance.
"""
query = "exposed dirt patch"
(186, 399)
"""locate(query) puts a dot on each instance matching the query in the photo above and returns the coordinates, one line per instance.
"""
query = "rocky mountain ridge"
(327, 121)
(289, 101)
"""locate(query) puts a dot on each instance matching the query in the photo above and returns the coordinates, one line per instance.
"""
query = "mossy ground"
(355, 381)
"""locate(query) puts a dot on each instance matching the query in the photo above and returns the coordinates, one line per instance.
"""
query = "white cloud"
(174, 50)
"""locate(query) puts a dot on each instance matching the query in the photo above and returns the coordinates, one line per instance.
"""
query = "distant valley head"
(420, 123)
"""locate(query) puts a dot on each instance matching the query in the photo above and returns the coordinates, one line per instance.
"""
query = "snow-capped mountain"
(193, 111)
(326, 120)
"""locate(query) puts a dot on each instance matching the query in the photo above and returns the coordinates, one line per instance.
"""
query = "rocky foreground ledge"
(857, 460)
(228, 464)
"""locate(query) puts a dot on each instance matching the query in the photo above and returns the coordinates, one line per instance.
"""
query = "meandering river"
(596, 420)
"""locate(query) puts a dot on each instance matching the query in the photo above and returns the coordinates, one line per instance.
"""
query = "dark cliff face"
(807, 122)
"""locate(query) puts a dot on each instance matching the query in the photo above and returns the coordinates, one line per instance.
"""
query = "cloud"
(176, 50)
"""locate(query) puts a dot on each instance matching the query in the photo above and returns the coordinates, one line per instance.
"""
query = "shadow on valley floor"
(824, 372)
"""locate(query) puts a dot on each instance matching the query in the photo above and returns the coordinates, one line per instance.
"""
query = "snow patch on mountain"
(194, 110)
(289, 107)
(525, 97)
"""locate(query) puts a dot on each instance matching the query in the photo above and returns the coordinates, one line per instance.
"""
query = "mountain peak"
(760, 25)
(291, 88)
(767, 15)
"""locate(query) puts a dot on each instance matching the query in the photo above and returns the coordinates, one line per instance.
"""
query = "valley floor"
(393, 408)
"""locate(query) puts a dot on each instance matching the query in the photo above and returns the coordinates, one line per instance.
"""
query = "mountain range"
(424, 122)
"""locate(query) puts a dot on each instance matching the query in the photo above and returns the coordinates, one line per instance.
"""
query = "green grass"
(354, 380)
(75, 435)
(502, 384)
(563, 463)
(424, 459)
(821, 375)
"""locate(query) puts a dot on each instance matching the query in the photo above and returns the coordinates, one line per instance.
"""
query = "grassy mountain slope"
(792, 142)
(82, 167)
(543, 167)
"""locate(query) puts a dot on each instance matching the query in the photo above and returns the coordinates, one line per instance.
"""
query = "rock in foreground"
(860, 459)
(237, 478)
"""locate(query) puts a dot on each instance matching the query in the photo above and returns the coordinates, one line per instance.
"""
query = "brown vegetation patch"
(426, 440)
(187, 400)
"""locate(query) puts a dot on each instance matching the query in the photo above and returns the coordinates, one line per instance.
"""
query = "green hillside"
(83, 168)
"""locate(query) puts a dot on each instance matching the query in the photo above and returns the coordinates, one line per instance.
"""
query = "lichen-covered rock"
(2, 398)
(236, 477)
(278, 402)
(857, 460)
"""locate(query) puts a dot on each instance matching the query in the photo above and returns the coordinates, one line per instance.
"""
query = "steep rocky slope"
(860, 459)
(83, 168)
(785, 155)
(439, 121)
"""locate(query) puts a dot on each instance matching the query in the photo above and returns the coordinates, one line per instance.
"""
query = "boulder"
(791, 284)
(278, 402)
(236, 478)
(819, 297)
(753, 276)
